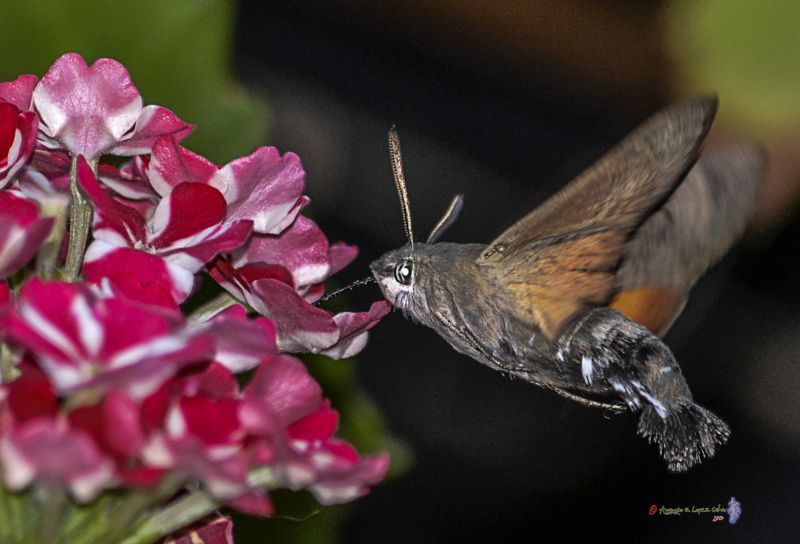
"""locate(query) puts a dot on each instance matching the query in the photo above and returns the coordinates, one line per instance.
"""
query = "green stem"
(212, 307)
(5, 517)
(88, 523)
(56, 207)
(53, 507)
(126, 513)
(8, 371)
(184, 511)
(80, 219)
(20, 505)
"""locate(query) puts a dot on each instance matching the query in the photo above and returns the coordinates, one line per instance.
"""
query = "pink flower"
(240, 343)
(85, 339)
(50, 452)
(280, 275)
(203, 427)
(113, 387)
(295, 433)
(187, 229)
(155, 281)
(202, 438)
(94, 110)
(22, 231)
(332, 470)
(262, 187)
(17, 140)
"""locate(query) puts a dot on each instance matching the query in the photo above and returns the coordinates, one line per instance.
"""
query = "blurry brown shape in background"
(614, 48)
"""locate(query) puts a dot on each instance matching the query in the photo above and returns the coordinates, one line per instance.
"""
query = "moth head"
(399, 272)
(396, 273)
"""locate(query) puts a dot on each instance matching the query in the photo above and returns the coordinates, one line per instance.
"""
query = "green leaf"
(177, 51)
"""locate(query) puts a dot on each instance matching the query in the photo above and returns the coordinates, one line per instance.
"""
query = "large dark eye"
(404, 271)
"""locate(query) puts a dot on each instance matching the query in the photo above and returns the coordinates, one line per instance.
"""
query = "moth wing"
(698, 224)
(563, 255)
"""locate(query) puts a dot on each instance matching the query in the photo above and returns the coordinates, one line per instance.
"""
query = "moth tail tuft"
(688, 434)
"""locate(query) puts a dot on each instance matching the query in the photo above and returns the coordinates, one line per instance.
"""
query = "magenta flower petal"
(17, 140)
(171, 164)
(241, 343)
(221, 468)
(280, 392)
(153, 123)
(217, 531)
(188, 226)
(341, 255)
(262, 187)
(122, 425)
(302, 249)
(332, 470)
(49, 451)
(301, 326)
(214, 421)
(317, 426)
(341, 488)
(87, 109)
(140, 477)
(19, 92)
(203, 248)
(83, 340)
(22, 231)
(127, 183)
(113, 222)
(353, 327)
(255, 503)
(215, 381)
(31, 395)
(137, 274)
(188, 209)
(46, 175)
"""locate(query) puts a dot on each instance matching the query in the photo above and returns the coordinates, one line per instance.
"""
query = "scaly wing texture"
(563, 255)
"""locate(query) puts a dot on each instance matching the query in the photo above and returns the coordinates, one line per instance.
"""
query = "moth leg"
(467, 335)
(616, 407)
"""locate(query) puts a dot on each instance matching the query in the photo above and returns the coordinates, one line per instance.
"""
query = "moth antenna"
(400, 183)
(357, 283)
(447, 219)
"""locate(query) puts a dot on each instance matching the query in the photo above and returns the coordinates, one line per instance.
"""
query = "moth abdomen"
(611, 353)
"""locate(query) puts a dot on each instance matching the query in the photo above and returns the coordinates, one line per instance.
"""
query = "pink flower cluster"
(115, 387)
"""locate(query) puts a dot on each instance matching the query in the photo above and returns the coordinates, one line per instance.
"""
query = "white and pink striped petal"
(83, 339)
(49, 452)
(22, 231)
(93, 110)
(262, 187)
(17, 140)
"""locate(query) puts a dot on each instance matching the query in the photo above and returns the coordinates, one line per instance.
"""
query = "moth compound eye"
(404, 271)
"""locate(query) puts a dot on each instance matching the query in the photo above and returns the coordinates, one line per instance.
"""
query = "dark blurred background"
(505, 103)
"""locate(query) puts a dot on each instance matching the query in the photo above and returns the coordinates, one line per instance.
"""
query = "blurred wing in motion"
(694, 229)
(563, 256)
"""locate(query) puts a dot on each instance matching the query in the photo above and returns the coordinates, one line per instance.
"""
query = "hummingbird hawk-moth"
(575, 296)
